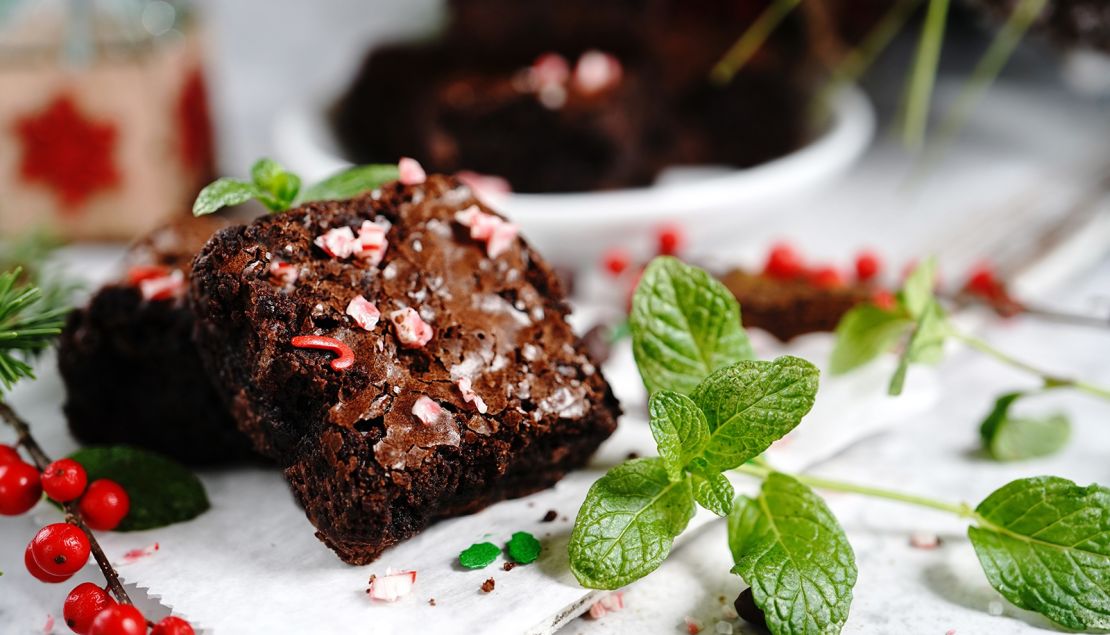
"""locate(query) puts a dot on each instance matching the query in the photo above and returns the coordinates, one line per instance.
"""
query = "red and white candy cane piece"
(498, 234)
(549, 69)
(411, 329)
(339, 242)
(138, 273)
(371, 242)
(365, 314)
(469, 396)
(410, 172)
(392, 586)
(345, 356)
(283, 272)
(484, 184)
(596, 72)
(163, 287)
(427, 410)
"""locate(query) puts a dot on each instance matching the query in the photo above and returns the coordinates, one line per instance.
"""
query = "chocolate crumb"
(633, 455)
(746, 609)
(549, 516)
(487, 586)
(370, 584)
(508, 566)
(565, 519)
(431, 601)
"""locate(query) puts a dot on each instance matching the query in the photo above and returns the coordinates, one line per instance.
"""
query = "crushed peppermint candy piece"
(283, 272)
(596, 71)
(135, 555)
(365, 314)
(338, 242)
(469, 396)
(372, 243)
(426, 410)
(924, 540)
(549, 69)
(411, 329)
(483, 185)
(392, 586)
(609, 604)
(138, 273)
(693, 625)
(163, 287)
(48, 626)
(410, 172)
(497, 233)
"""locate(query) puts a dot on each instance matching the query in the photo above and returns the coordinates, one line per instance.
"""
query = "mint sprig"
(1044, 543)
(1009, 438)
(278, 189)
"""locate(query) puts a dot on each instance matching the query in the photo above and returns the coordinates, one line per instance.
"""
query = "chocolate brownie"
(789, 308)
(454, 380)
(130, 368)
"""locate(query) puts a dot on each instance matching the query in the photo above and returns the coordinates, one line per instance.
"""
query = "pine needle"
(29, 323)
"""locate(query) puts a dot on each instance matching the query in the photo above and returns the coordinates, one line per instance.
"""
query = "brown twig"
(73, 515)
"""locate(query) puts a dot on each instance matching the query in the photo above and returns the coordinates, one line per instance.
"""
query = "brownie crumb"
(508, 566)
(488, 585)
(633, 455)
(565, 519)
(431, 601)
(549, 516)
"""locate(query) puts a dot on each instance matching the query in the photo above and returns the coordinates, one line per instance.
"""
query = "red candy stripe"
(346, 355)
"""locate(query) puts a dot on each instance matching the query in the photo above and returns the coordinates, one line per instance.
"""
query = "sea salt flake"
(994, 608)
(339, 242)
(410, 172)
(411, 329)
(469, 396)
(393, 586)
(365, 314)
(163, 287)
(596, 71)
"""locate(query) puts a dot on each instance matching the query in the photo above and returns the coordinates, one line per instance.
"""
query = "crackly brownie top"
(455, 325)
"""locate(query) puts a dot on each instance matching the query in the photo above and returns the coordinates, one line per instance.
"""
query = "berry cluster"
(60, 550)
(784, 263)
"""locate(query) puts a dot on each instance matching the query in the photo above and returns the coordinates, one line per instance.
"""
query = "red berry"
(119, 619)
(982, 281)
(104, 505)
(8, 454)
(20, 488)
(34, 569)
(60, 548)
(83, 604)
(670, 240)
(783, 263)
(826, 278)
(615, 261)
(172, 626)
(64, 480)
(868, 266)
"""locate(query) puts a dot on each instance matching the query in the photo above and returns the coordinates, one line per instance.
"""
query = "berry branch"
(73, 515)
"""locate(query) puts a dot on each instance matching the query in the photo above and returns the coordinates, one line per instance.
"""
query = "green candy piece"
(524, 548)
(479, 555)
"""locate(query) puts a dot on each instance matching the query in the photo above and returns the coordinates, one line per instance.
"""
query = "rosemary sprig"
(29, 322)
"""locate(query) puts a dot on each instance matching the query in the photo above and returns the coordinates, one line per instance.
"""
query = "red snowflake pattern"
(67, 152)
(196, 127)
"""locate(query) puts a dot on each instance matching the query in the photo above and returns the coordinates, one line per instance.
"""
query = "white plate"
(574, 229)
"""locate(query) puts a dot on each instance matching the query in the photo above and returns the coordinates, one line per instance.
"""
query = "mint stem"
(751, 40)
(1050, 380)
(920, 90)
(73, 514)
(963, 510)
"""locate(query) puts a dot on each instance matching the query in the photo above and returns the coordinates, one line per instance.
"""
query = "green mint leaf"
(627, 524)
(281, 185)
(523, 547)
(863, 334)
(917, 290)
(479, 555)
(1044, 544)
(685, 325)
(752, 404)
(1008, 438)
(162, 491)
(679, 428)
(350, 183)
(222, 193)
(714, 493)
(792, 551)
(926, 344)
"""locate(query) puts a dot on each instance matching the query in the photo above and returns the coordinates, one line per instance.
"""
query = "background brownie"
(368, 471)
(131, 370)
(789, 308)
